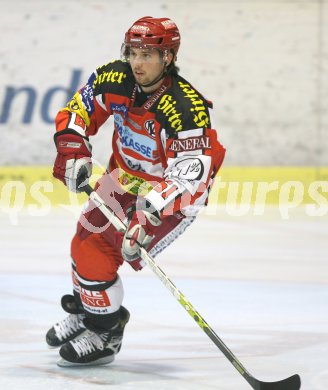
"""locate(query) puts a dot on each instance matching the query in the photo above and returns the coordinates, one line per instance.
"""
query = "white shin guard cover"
(99, 298)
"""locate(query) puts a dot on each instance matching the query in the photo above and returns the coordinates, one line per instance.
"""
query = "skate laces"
(90, 343)
(68, 326)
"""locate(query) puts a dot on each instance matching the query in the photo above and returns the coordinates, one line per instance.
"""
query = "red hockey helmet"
(157, 33)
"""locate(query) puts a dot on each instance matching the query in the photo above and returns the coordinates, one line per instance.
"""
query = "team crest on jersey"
(73, 104)
(150, 127)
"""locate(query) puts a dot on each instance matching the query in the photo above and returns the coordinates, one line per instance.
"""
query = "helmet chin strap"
(156, 80)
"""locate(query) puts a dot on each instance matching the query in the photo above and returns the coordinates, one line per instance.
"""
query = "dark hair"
(172, 69)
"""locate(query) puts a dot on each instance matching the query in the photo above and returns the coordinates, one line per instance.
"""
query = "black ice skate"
(70, 327)
(95, 347)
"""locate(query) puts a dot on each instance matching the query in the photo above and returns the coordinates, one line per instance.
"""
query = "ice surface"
(261, 284)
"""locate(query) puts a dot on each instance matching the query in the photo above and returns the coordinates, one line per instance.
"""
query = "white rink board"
(261, 283)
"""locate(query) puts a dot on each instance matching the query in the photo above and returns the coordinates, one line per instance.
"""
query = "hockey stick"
(291, 383)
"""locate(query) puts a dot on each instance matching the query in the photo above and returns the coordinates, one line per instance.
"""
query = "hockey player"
(165, 157)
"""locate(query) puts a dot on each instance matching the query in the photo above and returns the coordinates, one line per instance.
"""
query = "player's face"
(146, 64)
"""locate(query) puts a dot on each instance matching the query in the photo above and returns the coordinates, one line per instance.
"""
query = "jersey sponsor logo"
(189, 169)
(109, 77)
(133, 184)
(119, 108)
(200, 116)
(150, 127)
(87, 98)
(139, 143)
(155, 96)
(167, 106)
(189, 144)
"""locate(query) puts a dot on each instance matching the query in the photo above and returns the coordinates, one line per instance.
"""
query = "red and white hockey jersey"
(163, 146)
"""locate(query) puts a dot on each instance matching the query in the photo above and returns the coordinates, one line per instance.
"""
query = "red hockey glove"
(140, 232)
(73, 164)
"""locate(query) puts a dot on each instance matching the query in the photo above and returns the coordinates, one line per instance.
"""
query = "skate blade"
(100, 362)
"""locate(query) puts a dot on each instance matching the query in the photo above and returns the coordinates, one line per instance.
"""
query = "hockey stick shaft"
(257, 385)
